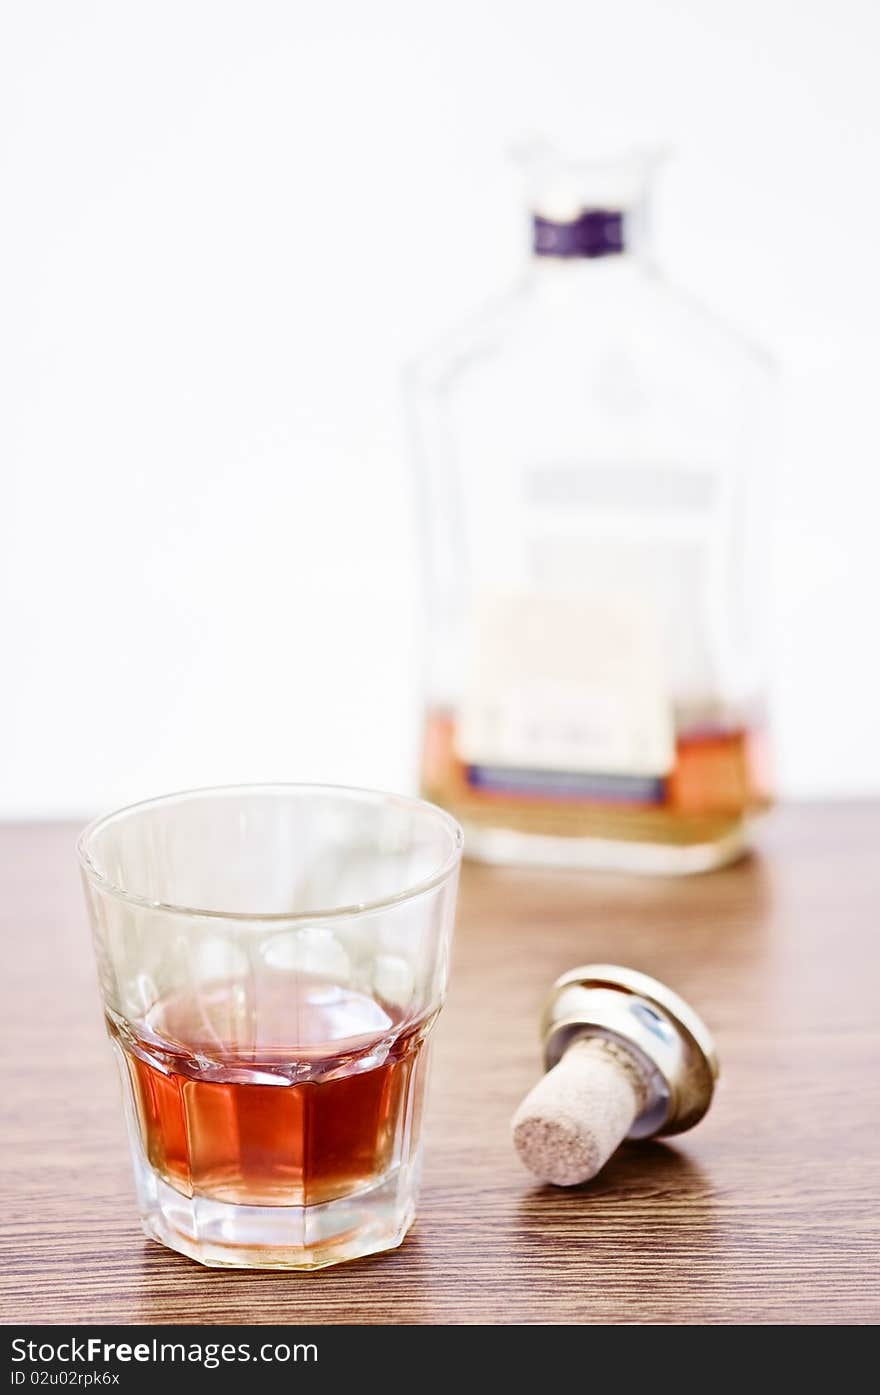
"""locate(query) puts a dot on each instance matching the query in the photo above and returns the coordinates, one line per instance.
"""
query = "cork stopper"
(625, 1057)
(579, 1113)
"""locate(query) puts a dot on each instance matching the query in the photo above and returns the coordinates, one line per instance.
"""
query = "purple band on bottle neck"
(598, 232)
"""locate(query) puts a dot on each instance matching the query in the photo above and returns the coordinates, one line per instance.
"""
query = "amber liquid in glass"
(295, 1095)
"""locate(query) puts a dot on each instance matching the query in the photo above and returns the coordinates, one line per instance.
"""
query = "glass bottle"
(590, 456)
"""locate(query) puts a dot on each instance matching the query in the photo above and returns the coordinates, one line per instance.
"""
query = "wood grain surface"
(767, 1212)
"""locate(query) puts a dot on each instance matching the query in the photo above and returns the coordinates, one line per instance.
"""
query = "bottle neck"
(595, 234)
(587, 211)
(566, 281)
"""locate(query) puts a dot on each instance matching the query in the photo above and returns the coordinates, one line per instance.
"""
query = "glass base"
(220, 1234)
(509, 847)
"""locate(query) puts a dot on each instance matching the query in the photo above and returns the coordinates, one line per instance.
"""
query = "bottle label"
(567, 684)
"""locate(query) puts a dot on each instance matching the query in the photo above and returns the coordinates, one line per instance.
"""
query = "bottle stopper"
(625, 1057)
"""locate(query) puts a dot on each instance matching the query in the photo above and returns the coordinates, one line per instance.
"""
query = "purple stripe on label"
(598, 232)
(563, 784)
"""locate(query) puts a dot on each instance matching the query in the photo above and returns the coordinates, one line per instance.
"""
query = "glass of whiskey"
(272, 959)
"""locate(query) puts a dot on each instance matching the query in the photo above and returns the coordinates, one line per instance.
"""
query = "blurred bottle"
(593, 499)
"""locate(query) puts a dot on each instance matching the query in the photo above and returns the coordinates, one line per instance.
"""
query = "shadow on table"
(171, 1288)
(651, 1211)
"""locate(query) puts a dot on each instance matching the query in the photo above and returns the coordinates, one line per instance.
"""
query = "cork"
(625, 1057)
(579, 1113)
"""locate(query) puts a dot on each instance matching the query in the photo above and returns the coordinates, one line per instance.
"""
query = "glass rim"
(412, 802)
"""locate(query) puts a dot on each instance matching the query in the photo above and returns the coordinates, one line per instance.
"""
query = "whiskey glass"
(272, 959)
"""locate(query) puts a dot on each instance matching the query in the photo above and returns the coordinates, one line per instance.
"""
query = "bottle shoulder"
(706, 325)
(484, 332)
(556, 320)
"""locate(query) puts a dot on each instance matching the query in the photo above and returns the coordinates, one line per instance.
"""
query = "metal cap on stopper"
(625, 1058)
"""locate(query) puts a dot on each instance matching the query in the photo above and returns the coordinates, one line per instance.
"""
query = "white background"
(224, 229)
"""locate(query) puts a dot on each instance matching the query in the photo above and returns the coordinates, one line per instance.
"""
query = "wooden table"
(767, 1212)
